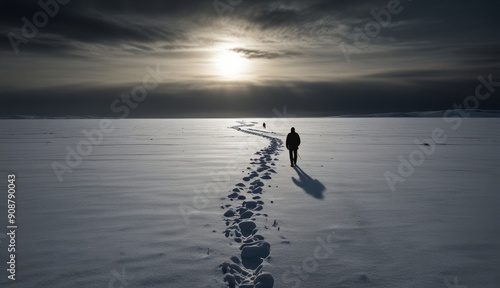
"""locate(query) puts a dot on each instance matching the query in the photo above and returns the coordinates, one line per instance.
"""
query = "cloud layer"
(337, 52)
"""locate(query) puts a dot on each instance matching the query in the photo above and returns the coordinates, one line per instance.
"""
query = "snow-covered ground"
(159, 203)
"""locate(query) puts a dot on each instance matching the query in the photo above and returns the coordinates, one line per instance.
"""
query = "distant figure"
(292, 144)
(264, 125)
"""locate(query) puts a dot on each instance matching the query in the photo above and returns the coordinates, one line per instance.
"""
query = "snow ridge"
(246, 269)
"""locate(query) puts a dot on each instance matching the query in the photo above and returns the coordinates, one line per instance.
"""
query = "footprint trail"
(245, 270)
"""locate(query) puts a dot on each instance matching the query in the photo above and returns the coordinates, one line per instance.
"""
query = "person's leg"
(295, 156)
(291, 156)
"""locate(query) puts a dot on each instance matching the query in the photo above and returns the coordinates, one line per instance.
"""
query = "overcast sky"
(205, 58)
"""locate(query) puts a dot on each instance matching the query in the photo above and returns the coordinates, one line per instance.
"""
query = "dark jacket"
(292, 141)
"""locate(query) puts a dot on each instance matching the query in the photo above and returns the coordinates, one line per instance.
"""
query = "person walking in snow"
(292, 144)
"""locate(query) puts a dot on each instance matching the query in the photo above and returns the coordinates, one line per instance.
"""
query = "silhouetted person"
(264, 125)
(292, 144)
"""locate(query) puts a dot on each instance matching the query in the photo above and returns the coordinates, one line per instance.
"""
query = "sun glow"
(230, 64)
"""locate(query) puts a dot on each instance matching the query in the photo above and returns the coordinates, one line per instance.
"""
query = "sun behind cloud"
(230, 64)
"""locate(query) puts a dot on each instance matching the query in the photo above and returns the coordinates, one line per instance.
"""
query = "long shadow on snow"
(311, 186)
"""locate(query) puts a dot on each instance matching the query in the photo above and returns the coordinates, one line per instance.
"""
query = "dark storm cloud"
(347, 10)
(255, 54)
(13, 11)
(52, 45)
(151, 21)
(271, 18)
(108, 30)
(108, 21)
(411, 75)
(287, 14)
(445, 22)
(301, 98)
(427, 58)
(92, 23)
(480, 54)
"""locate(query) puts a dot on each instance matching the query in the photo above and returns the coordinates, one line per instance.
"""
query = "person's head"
(293, 129)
